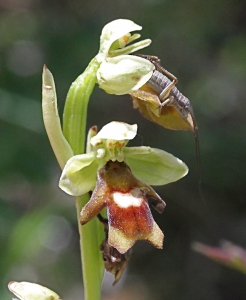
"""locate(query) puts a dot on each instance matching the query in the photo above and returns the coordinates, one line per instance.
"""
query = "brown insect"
(160, 101)
(114, 261)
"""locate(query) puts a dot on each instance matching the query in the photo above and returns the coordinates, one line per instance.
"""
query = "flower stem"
(74, 128)
(92, 264)
(75, 111)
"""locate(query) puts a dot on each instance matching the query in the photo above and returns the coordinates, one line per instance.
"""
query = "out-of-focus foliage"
(203, 43)
(228, 254)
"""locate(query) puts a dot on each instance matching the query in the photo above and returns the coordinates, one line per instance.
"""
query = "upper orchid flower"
(120, 73)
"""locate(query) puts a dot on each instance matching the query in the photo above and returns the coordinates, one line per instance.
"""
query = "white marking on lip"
(134, 198)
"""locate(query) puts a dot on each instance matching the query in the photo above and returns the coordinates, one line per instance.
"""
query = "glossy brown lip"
(126, 199)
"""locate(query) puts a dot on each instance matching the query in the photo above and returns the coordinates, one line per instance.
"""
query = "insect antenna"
(198, 161)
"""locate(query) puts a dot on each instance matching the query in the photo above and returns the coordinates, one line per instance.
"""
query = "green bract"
(153, 166)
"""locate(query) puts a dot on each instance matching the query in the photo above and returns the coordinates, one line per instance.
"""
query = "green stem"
(75, 111)
(74, 128)
(92, 264)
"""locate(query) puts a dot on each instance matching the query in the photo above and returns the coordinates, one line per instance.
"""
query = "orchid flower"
(123, 189)
(31, 291)
(120, 73)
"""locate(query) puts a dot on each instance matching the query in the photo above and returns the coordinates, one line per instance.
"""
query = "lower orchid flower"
(119, 176)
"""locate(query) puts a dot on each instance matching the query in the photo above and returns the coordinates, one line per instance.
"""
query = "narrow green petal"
(79, 175)
(91, 133)
(154, 166)
(131, 48)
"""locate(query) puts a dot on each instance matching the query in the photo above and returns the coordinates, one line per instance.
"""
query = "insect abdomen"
(158, 82)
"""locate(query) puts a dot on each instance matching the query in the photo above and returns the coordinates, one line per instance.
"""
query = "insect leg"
(154, 59)
(167, 101)
(166, 72)
(103, 220)
(164, 94)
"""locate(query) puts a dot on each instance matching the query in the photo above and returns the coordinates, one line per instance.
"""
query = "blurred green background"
(204, 44)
